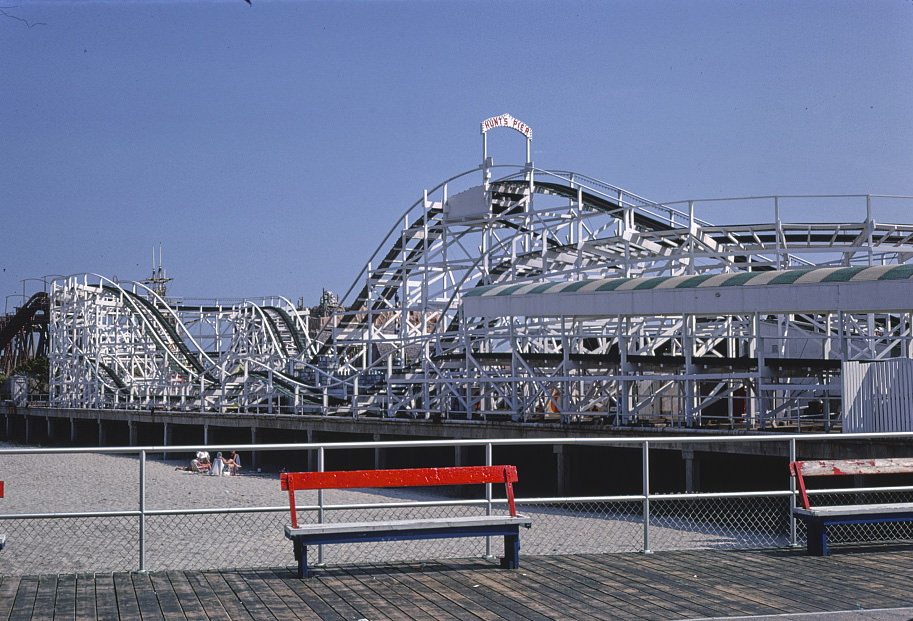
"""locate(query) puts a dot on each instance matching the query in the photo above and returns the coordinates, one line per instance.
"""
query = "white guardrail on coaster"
(137, 508)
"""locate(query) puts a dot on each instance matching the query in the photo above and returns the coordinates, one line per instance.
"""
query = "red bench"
(2, 536)
(817, 519)
(303, 535)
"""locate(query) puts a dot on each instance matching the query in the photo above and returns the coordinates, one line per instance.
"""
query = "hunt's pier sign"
(506, 120)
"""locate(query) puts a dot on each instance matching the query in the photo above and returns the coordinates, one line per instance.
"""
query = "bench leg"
(817, 539)
(301, 555)
(511, 558)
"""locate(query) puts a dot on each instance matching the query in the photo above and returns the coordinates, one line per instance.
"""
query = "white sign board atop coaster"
(506, 120)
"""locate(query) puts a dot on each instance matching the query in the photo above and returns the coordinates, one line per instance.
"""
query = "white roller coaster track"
(397, 345)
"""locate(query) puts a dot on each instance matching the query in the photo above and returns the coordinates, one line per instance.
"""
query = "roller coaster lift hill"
(537, 296)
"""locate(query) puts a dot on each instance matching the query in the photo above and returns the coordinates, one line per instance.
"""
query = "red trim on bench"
(843, 467)
(1, 489)
(795, 469)
(408, 477)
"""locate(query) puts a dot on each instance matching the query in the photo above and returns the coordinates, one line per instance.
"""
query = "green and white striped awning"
(806, 290)
(737, 279)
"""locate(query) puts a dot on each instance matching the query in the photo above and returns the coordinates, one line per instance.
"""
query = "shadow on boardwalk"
(664, 585)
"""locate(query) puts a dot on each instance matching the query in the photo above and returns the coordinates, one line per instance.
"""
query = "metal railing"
(130, 508)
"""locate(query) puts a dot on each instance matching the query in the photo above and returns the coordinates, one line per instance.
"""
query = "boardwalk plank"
(502, 586)
(802, 579)
(386, 583)
(587, 584)
(9, 586)
(419, 598)
(65, 597)
(763, 594)
(555, 585)
(443, 576)
(675, 594)
(749, 598)
(690, 579)
(184, 594)
(426, 575)
(678, 593)
(254, 587)
(293, 603)
(734, 599)
(411, 575)
(374, 589)
(165, 593)
(482, 597)
(146, 599)
(127, 604)
(369, 605)
(105, 597)
(733, 595)
(664, 585)
(277, 595)
(232, 605)
(344, 591)
(208, 599)
(45, 597)
(593, 585)
(639, 590)
(870, 583)
(24, 603)
(808, 592)
(594, 581)
(85, 597)
(316, 596)
(889, 582)
(783, 580)
(879, 566)
(626, 584)
(245, 594)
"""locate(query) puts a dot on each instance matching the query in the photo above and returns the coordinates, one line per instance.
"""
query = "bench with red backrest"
(818, 518)
(2, 536)
(303, 535)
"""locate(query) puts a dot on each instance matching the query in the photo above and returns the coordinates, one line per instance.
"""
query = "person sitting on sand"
(218, 465)
(234, 463)
(200, 463)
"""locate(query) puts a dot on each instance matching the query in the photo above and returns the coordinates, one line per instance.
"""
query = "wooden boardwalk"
(664, 585)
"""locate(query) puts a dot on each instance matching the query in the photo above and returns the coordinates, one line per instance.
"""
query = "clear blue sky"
(269, 147)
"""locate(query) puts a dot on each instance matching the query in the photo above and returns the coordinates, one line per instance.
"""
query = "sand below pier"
(238, 521)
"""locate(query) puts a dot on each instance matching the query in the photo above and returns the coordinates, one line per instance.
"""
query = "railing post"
(488, 506)
(320, 511)
(488, 462)
(792, 496)
(646, 501)
(142, 510)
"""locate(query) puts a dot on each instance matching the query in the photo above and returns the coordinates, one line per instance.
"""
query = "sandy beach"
(227, 532)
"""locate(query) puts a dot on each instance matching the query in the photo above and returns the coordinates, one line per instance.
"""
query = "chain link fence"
(81, 510)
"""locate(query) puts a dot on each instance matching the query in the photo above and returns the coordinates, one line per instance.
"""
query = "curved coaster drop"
(400, 342)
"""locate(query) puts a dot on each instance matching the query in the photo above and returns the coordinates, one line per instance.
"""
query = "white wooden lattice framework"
(398, 344)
